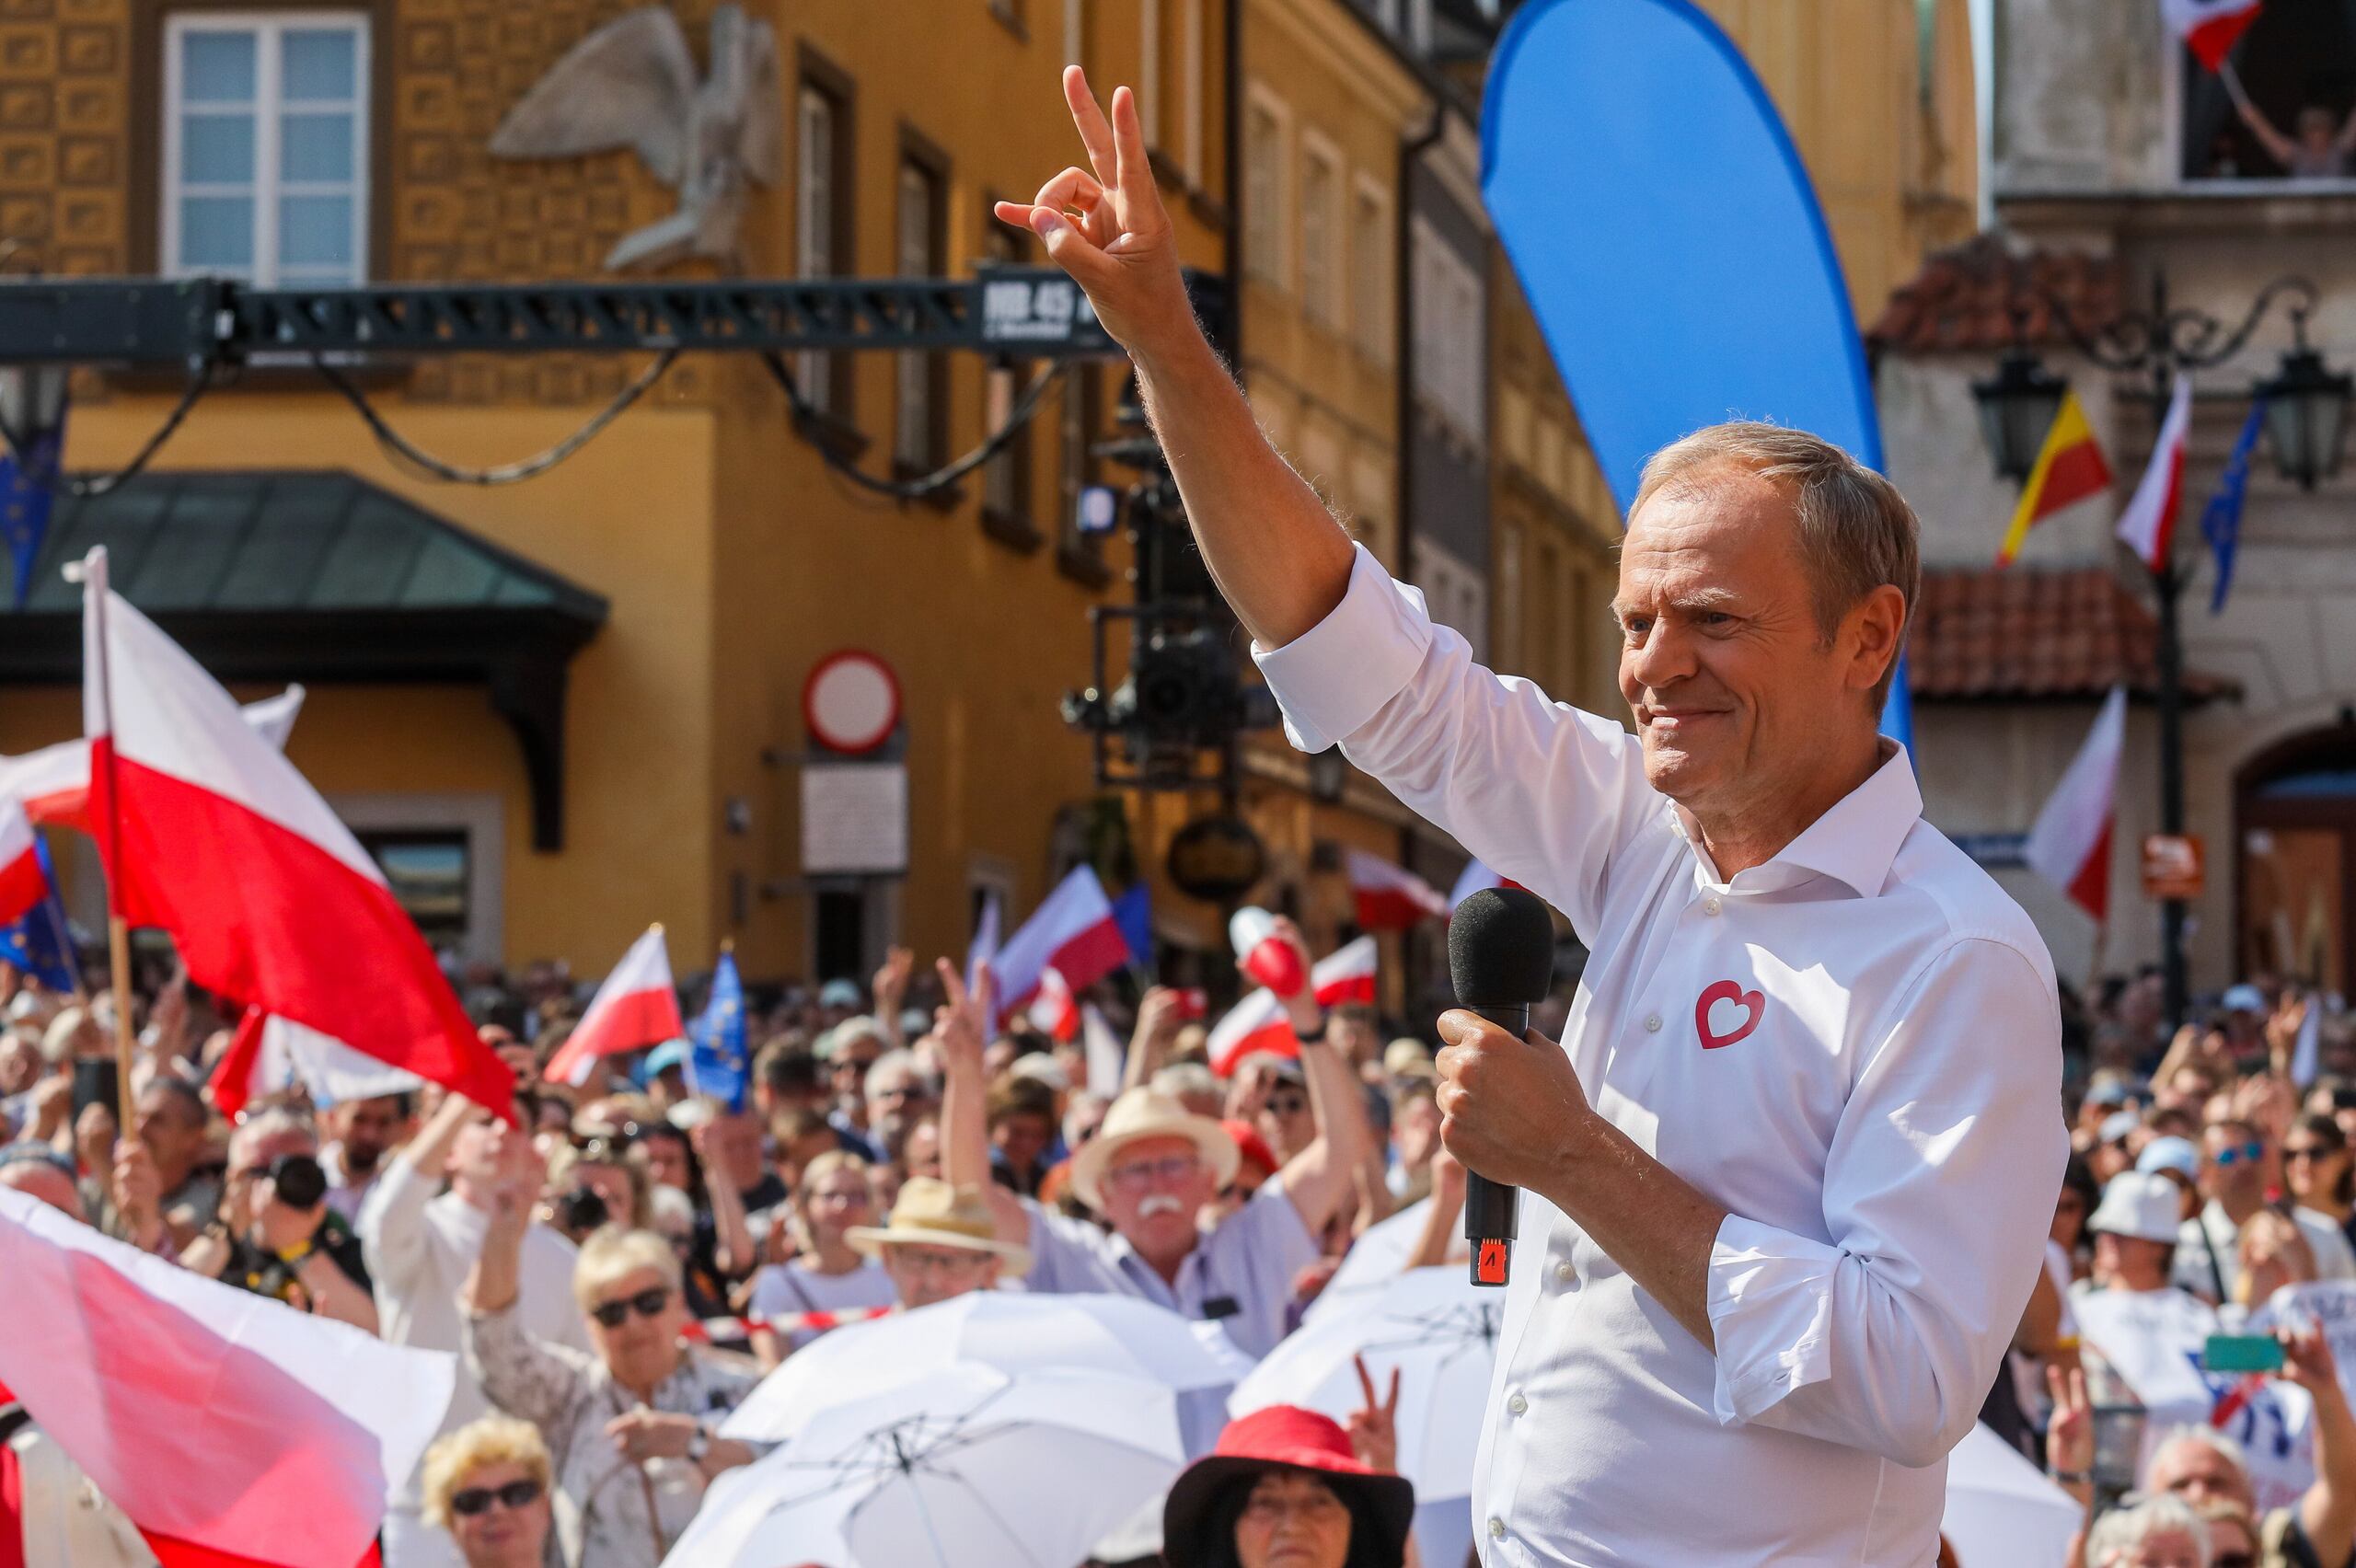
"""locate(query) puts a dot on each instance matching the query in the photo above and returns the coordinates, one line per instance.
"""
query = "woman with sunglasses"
(631, 1430)
(2320, 1172)
(487, 1483)
(825, 1274)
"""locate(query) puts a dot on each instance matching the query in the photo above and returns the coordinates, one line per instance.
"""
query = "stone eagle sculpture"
(633, 84)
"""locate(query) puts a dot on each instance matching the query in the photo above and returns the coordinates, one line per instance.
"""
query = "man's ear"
(1870, 632)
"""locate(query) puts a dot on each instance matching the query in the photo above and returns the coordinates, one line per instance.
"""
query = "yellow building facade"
(729, 558)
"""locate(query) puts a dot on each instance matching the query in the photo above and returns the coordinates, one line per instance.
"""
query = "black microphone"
(1501, 956)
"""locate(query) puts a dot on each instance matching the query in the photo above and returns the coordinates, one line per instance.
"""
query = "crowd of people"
(617, 1262)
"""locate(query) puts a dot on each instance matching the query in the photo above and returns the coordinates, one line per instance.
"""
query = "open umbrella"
(964, 1465)
(2000, 1508)
(1007, 1330)
(1438, 1329)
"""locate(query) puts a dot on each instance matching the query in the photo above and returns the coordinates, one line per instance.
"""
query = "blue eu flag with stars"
(716, 1062)
(41, 944)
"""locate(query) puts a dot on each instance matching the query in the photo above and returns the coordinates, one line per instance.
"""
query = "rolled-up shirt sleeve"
(1541, 792)
(1938, 1192)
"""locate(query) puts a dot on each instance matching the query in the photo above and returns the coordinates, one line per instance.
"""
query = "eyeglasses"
(1313, 1504)
(1138, 1175)
(2248, 1153)
(2306, 1151)
(943, 1262)
(647, 1303)
(477, 1499)
(1288, 1104)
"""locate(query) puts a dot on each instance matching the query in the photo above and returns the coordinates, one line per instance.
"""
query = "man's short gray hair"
(2112, 1541)
(2208, 1438)
(891, 1063)
(1856, 531)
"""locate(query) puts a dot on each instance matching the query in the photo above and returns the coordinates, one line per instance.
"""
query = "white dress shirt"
(1854, 1048)
(2209, 1250)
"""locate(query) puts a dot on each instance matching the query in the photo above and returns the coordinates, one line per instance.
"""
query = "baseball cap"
(2117, 1125)
(2169, 1154)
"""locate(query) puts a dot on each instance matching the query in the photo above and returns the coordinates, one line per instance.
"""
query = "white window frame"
(915, 419)
(1267, 225)
(1372, 294)
(813, 218)
(482, 817)
(267, 27)
(1323, 298)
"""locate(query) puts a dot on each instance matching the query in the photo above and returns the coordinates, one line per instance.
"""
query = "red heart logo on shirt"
(1726, 991)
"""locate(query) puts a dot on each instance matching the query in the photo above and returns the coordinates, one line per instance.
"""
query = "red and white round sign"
(851, 701)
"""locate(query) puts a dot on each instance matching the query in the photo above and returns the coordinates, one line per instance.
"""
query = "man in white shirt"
(1788, 1182)
(2233, 1182)
(421, 1244)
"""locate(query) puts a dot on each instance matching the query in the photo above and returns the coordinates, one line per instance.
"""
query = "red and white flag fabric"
(2070, 844)
(1107, 1057)
(2209, 27)
(23, 883)
(637, 1006)
(269, 1055)
(1474, 878)
(1390, 897)
(1053, 1012)
(2148, 525)
(1258, 1024)
(1072, 931)
(54, 782)
(207, 832)
(234, 1431)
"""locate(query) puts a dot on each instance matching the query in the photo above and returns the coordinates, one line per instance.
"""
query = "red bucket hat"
(1288, 1437)
(1253, 1146)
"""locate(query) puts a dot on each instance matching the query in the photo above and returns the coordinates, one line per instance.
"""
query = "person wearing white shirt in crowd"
(1785, 1190)
(823, 1272)
(421, 1243)
(1152, 1169)
(2233, 1180)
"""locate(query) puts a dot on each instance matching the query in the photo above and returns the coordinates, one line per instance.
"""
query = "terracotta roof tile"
(2028, 634)
(1965, 298)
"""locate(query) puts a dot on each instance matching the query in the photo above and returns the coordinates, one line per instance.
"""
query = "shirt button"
(1518, 1405)
(1496, 1528)
(1711, 906)
(1565, 1273)
(1652, 1024)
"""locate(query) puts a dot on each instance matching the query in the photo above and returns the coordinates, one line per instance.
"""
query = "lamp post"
(2307, 426)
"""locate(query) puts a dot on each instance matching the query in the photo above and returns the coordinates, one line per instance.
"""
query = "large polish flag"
(1389, 897)
(2148, 525)
(269, 1055)
(54, 782)
(2070, 844)
(1257, 1023)
(234, 1431)
(637, 1006)
(23, 884)
(2209, 27)
(207, 832)
(1073, 932)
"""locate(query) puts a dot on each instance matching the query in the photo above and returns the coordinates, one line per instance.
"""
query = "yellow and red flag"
(2070, 467)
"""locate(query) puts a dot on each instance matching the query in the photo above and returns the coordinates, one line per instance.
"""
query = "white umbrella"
(1433, 1325)
(1011, 1331)
(1374, 1260)
(966, 1465)
(2000, 1510)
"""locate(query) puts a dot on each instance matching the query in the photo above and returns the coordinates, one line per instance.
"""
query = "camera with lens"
(297, 1181)
(580, 1211)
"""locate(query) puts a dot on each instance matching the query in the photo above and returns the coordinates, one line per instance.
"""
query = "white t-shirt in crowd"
(783, 1288)
(419, 1247)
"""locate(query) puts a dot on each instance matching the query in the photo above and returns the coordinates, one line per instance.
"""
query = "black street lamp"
(2307, 409)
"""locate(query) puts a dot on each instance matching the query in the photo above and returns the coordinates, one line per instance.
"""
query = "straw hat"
(1146, 1113)
(935, 1213)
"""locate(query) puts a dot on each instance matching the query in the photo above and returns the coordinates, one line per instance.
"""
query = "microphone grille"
(1501, 948)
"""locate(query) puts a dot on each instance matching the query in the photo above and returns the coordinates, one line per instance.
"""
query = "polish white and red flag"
(271, 1055)
(54, 782)
(2209, 27)
(2148, 524)
(206, 830)
(23, 883)
(2070, 843)
(1053, 1012)
(1475, 877)
(1390, 897)
(636, 1006)
(233, 1430)
(1258, 1023)
(1073, 931)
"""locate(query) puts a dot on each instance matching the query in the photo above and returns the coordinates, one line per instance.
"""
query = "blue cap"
(2243, 997)
(670, 1054)
(2169, 1154)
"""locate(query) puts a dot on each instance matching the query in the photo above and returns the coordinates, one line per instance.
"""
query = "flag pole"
(118, 929)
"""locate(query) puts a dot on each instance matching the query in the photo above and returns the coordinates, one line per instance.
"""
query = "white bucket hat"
(2140, 1204)
(1145, 1113)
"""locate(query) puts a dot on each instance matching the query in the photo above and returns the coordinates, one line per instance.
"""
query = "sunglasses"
(2249, 1152)
(647, 1303)
(1288, 1104)
(477, 1499)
